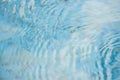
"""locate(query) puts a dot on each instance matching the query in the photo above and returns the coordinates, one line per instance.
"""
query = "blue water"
(59, 39)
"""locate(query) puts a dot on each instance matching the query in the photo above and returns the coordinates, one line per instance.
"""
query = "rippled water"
(59, 39)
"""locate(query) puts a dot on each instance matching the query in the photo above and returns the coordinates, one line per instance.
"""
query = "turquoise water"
(59, 39)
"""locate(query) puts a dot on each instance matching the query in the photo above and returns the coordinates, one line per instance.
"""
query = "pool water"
(59, 39)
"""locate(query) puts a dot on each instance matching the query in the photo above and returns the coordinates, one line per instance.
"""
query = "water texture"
(59, 39)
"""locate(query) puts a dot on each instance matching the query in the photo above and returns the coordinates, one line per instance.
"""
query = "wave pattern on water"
(59, 40)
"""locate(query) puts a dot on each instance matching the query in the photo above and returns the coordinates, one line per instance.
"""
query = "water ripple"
(59, 40)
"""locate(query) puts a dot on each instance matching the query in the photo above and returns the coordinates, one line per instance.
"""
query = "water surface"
(59, 40)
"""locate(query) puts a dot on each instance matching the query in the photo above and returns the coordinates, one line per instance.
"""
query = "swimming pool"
(59, 40)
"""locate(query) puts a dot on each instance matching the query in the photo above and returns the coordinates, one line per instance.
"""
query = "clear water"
(59, 39)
